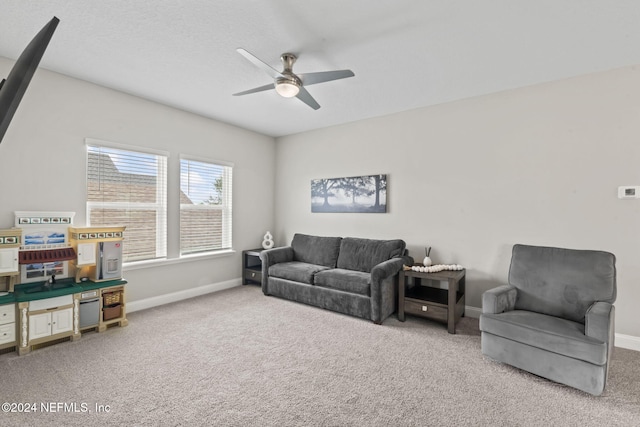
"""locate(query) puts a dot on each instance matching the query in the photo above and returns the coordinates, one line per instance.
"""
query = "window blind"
(126, 187)
(205, 206)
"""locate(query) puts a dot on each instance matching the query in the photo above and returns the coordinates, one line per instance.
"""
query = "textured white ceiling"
(404, 53)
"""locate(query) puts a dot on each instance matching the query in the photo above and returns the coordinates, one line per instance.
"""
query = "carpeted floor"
(238, 358)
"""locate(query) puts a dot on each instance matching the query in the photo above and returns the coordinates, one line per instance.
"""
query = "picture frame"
(356, 194)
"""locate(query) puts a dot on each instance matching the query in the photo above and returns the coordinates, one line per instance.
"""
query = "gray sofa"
(348, 275)
(555, 318)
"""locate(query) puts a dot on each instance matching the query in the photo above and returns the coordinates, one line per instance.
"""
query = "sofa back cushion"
(364, 254)
(562, 282)
(316, 249)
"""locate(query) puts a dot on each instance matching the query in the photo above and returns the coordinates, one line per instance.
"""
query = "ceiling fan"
(288, 84)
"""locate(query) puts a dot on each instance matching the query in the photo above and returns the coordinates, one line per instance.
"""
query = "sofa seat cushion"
(296, 271)
(546, 332)
(355, 282)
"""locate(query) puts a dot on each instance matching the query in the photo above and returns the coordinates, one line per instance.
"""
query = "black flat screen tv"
(13, 88)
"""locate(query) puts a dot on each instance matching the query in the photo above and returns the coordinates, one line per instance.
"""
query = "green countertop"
(39, 290)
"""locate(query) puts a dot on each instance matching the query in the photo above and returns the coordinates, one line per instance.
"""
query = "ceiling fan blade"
(259, 63)
(306, 97)
(324, 76)
(256, 89)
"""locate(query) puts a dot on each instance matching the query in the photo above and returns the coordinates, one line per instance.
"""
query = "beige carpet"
(238, 358)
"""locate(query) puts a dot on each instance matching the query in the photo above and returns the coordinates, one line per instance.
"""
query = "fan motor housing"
(291, 79)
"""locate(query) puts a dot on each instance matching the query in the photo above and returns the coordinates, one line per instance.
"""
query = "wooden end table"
(427, 300)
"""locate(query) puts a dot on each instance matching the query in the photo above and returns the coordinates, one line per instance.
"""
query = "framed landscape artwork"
(366, 193)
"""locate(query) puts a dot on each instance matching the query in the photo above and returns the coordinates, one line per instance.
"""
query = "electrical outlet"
(629, 192)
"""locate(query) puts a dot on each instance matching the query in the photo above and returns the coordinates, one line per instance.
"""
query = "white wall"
(43, 166)
(538, 165)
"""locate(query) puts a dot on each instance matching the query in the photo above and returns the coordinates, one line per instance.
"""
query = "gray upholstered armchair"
(555, 318)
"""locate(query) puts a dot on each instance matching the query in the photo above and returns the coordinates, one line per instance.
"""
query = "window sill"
(138, 265)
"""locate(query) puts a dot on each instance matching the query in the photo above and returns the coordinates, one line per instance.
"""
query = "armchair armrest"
(499, 300)
(599, 321)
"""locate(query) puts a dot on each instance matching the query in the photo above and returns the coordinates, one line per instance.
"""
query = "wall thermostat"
(629, 192)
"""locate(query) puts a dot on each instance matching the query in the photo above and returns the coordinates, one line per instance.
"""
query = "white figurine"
(427, 260)
(267, 242)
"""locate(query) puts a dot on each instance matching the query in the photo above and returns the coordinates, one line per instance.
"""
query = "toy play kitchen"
(58, 281)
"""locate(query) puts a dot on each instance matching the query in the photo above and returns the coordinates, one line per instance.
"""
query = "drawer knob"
(424, 308)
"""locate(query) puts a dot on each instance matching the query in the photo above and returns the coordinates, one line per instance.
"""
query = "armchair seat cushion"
(296, 271)
(561, 336)
(355, 282)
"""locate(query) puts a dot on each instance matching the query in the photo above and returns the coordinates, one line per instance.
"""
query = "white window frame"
(226, 206)
(161, 194)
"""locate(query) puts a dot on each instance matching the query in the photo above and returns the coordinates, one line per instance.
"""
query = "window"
(126, 187)
(205, 206)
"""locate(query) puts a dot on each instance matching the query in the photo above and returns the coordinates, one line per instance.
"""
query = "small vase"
(267, 242)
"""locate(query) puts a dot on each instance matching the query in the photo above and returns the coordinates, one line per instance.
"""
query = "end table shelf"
(251, 267)
(428, 301)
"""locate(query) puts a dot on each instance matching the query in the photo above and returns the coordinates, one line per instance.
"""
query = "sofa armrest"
(386, 269)
(276, 255)
(499, 300)
(384, 288)
(599, 321)
(271, 257)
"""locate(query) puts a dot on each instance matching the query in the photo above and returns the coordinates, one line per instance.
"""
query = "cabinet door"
(7, 314)
(86, 253)
(39, 325)
(7, 333)
(61, 321)
(9, 260)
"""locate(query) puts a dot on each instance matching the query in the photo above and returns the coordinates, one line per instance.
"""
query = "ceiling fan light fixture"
(286, 83)
(287, 87)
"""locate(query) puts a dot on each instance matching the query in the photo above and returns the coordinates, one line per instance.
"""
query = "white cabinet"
(9, 260)
(8, 333)
(7, 324)
(47, 319)
(61, 321)
(86, 254)
(39, 325)
(7, 314)
(52, 323)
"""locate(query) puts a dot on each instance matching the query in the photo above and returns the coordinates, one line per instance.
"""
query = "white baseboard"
(628, 341)
(624, 341)
(473, 312)
(180, 295)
